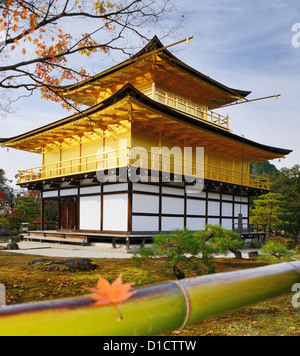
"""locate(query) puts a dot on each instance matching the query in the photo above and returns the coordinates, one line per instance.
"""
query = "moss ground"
(271, 318)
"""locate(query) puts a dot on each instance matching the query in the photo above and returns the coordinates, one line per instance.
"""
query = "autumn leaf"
(111, 294)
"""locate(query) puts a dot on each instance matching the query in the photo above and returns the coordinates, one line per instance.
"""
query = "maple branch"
(45, 61)
(56, 65)
(47, 21)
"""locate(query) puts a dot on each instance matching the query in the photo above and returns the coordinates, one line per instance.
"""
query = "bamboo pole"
(154, 309)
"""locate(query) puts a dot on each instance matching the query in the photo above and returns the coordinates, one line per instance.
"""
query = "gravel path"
(100, 250)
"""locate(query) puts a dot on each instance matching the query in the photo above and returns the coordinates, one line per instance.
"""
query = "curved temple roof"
(219, 93)
(129, 91)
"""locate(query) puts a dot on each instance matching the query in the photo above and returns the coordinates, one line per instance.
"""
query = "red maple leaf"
(114, 293)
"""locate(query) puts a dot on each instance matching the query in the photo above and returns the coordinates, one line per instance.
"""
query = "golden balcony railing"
(190, 108)
(141, 158)
(85, 164)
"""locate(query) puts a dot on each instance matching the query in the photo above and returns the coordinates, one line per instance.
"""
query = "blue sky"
(243, 44)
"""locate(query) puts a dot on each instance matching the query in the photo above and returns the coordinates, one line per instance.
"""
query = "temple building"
(121, 169)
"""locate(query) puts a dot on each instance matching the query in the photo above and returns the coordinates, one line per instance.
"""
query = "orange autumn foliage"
(111, 294)
(38, 39)
(114, 293)
(29, 29)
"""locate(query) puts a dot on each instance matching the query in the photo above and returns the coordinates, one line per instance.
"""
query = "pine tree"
(267, 210)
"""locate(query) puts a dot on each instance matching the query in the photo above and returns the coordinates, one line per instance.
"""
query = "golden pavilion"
(99, 169)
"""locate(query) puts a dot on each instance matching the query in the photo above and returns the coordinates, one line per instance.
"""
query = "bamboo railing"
(152, 310)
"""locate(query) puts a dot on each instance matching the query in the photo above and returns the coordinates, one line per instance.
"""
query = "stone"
(71, 265)
(12, 246)
(253, 254)
(237, 254)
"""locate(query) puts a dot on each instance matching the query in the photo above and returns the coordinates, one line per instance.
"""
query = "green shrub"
(224, 240)
(184, 249)
(275, 252)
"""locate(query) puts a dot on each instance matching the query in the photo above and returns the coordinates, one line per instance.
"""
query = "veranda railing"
(123, 158)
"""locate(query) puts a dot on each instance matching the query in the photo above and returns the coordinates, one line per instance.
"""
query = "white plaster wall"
(90, 190)
(50, 194)
(115, 212)
(173, 191)
(145, 223)
(90, 213)
(145, 187)
(226, 209)
(227, 224)
(214, 208)
(212, 221)
(68, 192)
(115, 187)
(244, 210)
(196, 207)
(214, 196)
(227, 197)
(172, 205)
(195, 224)
(172, 223)
(145, 204)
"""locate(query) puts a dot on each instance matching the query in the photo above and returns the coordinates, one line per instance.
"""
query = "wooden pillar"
(42, 222)
(129, 207)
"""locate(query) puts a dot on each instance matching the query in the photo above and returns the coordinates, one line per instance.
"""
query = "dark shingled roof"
(155, 44)
(129, 90)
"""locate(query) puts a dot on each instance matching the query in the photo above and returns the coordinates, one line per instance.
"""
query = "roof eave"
(129, 90)
(154, 45)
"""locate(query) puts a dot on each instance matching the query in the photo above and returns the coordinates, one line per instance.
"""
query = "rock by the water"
(12, 246)
(72, 265)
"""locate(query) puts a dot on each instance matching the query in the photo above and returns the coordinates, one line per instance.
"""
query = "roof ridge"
(154, 44)
(129, 89)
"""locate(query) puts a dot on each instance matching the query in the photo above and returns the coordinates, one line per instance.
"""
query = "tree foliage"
(274, 251)
(288, 185)
(264, 169)
(290, 220)
(41, 36)
(6, 192)
(25, 209)
(187, 250)
(267, 210)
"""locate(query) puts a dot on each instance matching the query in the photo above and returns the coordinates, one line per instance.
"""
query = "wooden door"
(64, 214)
(72, 214)
(69, 213)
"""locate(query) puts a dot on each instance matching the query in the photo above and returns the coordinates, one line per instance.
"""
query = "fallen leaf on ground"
(114, 293)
